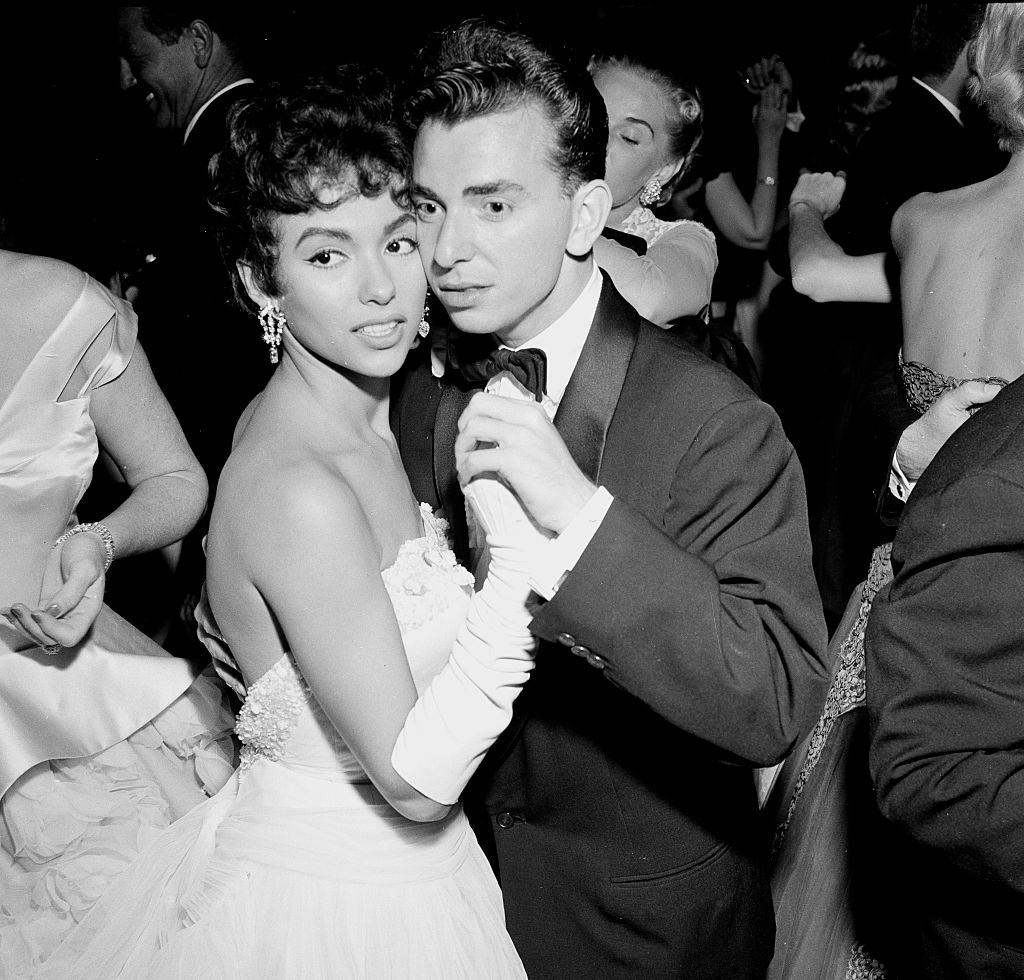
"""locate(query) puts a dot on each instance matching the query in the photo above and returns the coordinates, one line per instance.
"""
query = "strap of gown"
(101, 342)
(91, 346)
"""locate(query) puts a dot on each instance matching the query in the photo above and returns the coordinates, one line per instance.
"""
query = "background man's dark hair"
(229, 21)
(938, 32)
(478, 68)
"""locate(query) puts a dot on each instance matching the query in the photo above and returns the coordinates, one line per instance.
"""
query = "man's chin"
(473, 321)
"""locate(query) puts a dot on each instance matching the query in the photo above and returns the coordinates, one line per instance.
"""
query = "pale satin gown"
(103, 745)
(299, 868)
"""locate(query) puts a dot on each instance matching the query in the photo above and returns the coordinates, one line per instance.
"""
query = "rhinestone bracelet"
(97, 528)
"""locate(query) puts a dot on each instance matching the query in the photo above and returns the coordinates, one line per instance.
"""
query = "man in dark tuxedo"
(184, 65)
(187, 69)
(927, 140)
(945, 695)
(681, 635)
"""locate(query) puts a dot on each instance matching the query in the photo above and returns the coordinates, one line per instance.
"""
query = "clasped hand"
(924, 438)
(765, 72)
(821, 191)
(73, 584)
(516, 441)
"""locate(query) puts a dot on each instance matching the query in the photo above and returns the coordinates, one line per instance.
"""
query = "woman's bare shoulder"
(287, 492)
(934, 216)
(38, 291)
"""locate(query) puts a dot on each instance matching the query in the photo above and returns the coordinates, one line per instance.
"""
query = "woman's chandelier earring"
(273, 322)
(424, 328)
(651, 192)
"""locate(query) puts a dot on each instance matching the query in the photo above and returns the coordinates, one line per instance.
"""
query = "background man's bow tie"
(528, 366)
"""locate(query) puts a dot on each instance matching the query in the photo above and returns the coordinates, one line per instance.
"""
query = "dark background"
(78, 165)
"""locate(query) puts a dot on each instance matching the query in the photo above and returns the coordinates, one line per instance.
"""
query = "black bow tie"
(528, 366)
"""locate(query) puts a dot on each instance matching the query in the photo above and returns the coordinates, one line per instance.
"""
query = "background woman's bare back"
(962, 277)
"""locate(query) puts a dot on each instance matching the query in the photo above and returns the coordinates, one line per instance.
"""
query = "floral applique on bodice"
(643, 223)
(280, 719)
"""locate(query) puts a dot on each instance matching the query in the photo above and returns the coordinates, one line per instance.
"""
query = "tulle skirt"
(287, 874)
(70, 827)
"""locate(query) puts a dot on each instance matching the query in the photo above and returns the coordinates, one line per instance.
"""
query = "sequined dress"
(299, 868)
(829, 880)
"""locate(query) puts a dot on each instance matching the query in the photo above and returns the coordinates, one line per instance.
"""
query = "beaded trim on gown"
(104, 745)
(299, 867)
(828, 847)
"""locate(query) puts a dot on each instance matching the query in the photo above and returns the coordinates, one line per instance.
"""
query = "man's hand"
(924, 438)
(821, 191)
(515, 440)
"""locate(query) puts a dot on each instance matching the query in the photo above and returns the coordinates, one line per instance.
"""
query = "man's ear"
(201, 39)
(248, 277)
(591, 205)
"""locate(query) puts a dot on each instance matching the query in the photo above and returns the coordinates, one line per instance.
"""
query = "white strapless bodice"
(280, 719)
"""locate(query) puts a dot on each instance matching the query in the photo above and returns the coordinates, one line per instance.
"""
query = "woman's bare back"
(962, 277)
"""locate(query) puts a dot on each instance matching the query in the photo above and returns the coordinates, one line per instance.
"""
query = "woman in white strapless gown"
(373, 679)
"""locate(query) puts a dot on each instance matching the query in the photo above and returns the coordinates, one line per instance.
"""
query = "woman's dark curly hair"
(288, 146)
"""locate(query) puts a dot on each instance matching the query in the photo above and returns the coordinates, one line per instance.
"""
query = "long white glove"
(468, 704)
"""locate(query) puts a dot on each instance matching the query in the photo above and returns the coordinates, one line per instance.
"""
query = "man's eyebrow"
(494, 187)
(474, 190)
(314, 230)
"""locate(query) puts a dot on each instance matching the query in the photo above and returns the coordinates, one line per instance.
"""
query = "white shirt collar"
(563, 340)
(954, 111)
(206, 104)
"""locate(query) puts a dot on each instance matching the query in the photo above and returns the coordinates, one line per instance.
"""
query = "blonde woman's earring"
(651, 192)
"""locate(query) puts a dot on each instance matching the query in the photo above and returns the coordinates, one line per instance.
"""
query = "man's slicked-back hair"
(479, 68)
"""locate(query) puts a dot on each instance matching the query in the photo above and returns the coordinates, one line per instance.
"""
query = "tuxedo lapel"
(582, 419)
(588, 404)
(446, 427)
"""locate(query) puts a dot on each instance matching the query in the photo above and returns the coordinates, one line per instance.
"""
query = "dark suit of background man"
(682, 636)
(184, 64)
(188, 71)
(945, 695)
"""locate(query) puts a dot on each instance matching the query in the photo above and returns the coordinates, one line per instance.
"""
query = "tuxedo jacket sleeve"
(883, 413)
(945, 655)
(696, 594)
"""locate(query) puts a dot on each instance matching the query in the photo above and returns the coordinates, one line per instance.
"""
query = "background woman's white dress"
(104, 745)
